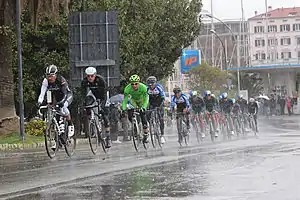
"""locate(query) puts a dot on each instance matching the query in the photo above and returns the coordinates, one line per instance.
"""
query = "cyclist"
(210, 104)
(97, 85)
(198, 105)
(183, 105)
(139, 99)
(243, 106)
(61, 93)
(226, 106)
(253, 109)
(156, 100)
(236, 111)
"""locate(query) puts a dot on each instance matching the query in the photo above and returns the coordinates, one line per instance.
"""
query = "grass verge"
(14, 138)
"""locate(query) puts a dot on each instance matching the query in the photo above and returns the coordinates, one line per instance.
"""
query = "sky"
(231, 9)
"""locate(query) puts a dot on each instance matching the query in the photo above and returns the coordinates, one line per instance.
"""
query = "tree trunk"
(7, 105)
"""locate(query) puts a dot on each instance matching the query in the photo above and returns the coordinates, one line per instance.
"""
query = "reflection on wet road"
(253, 168)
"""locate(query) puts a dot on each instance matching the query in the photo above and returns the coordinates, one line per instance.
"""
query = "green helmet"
(134, 78)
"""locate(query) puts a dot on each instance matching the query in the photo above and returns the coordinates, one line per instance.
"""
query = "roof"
(279, 13)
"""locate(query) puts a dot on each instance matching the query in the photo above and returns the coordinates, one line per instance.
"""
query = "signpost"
(189, 59)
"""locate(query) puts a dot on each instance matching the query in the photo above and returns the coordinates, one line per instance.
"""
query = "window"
(272, 42)
(272, 28)
(258, 29)
(285, 41)
(298, 40)
(259, 42)
(298, 54)
(273, 55)
(296, 27)
(286, 55)
(285, 27)
(260, 55)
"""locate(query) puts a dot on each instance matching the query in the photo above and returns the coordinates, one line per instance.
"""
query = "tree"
(153, 32)
(37, 10)
(251, 82)
(204, 77)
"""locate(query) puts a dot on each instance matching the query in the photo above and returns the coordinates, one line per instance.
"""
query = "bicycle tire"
(93, 133)
(151, 130)
(50, 152)
(135, 135)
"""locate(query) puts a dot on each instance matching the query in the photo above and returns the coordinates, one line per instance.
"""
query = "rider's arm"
(65, 90)
(125, 100)
(145, 97)
(43, 91)
(188, 105)
(161, 92)
(102, 87)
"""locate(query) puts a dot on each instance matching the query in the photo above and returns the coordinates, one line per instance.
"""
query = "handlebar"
(39, 111)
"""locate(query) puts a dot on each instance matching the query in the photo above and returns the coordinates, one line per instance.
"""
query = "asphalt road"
(258, 168)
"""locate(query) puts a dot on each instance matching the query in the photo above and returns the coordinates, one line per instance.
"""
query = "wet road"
(266, 167)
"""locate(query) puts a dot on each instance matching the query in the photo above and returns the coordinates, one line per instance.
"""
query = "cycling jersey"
(226, 105)
(209, 103)
(60, 90)
(97, 87)
(182, 102)
(252, 107)
(236, 108)
(243, 104)
(197, 103)
(138, 98)
(156, 95)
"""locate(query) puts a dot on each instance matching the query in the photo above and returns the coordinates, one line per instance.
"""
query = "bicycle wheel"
(69, 142)
(101, 139)
(51, 139)
(157, 132)
(211, 131)
(93, 136)
(198, 127)
(179, 129)
(152, 134)
(135, 135)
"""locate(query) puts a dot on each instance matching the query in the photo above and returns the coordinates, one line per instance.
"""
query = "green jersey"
(138, 98)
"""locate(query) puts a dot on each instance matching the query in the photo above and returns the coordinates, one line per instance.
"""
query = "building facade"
(275, 37)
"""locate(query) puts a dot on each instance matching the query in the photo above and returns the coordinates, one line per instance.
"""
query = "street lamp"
(235, 41)
(224, 49)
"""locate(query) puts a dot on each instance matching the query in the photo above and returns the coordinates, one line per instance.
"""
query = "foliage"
(14, 138)
(153, 32)
(35, 127)
(205, 77)
(251, 82)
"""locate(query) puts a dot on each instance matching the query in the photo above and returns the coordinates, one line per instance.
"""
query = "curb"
(19, 146)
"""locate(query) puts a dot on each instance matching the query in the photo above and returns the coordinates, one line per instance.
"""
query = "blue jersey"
(156, 95)
(181, 102)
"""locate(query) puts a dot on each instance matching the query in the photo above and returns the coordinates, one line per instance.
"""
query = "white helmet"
(91, 71)
(213, 95)
(251, 100)
(51, 70)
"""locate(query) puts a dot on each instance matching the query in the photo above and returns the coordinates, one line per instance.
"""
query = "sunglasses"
(134, 83)
(90, 76)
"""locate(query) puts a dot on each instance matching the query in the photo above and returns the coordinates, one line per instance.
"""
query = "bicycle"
(154, 127)
(199, 124)
(136, 131)
(60, 128)
(209, 116)
(252, 123)
(182, 128)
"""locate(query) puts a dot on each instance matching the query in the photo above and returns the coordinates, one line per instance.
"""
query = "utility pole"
(212, 35)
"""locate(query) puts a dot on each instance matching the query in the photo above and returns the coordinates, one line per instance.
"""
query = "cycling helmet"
(151, 80)
(251, 100)
(225, 95)
(195, 93)
(213, 95)
(176, 90)
(191, 93)
(221, 97)
(233, 100)
(208, 92)
(134, 78)
(240, 96)
(90, 71)
(51, 70)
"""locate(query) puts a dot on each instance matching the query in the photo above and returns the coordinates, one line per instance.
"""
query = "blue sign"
(190, 59)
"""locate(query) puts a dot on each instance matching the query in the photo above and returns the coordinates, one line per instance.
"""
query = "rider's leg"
(66, 112)
(104, 113)
(145, 125)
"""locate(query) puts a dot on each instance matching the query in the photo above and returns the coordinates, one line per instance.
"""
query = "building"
(230, 39)
(275, 48)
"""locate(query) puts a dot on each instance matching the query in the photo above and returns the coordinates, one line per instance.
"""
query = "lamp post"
(224, 49)
(236, 42)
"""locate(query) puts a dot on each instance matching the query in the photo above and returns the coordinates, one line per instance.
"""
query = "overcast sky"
(231, 9)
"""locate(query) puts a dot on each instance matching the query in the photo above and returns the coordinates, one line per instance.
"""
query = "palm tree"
(38, 9)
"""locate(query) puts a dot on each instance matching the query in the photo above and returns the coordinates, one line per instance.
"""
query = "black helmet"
(151, 80)
(51, 70)
(176, 90)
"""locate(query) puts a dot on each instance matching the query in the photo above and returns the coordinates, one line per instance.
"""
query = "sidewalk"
(284, 117)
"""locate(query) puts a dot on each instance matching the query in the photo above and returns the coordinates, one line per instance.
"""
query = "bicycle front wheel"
(51, 139)
(136, 138)
(93, 136)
